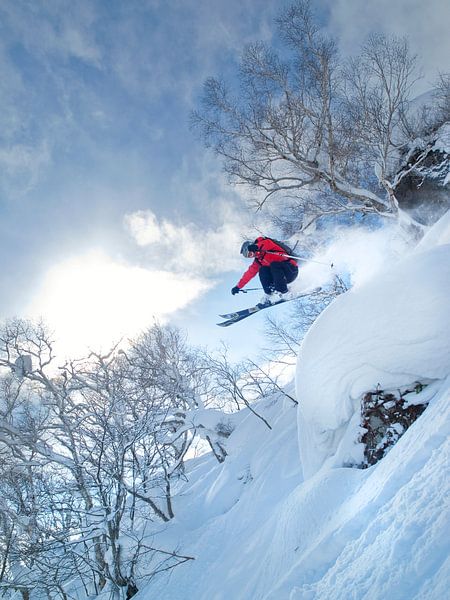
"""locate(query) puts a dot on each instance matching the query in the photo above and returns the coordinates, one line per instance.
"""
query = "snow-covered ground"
(273, 522)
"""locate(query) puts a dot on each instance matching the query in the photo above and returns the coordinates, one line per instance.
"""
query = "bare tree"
(285, 338)
(162, 358)
(432, 114)
(442, 99)
(309, 126)
(242, 384)
(88, 458)
(91, 451)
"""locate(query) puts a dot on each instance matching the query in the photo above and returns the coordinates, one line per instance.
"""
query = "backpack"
(285, 247)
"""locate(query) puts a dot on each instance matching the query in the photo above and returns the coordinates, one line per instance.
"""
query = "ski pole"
(300, 258)
(251, 290)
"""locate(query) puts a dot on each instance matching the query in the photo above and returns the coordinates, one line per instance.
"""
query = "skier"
(275, 269)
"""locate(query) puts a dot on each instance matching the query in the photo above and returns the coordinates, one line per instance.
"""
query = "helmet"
(244, 248)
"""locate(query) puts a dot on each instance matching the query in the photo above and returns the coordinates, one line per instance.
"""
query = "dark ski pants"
(277, 276)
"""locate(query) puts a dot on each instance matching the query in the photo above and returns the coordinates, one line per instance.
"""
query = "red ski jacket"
(263, 259)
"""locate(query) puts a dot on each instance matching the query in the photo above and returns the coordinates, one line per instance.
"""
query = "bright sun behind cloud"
(91, 301)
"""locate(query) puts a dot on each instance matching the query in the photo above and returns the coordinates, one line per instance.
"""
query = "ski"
(239, 315)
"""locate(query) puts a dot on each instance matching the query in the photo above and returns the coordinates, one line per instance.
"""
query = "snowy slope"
(389, 538)
(258, 530)
(222, 507)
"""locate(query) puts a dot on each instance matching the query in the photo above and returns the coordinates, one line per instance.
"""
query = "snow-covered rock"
(425, 176)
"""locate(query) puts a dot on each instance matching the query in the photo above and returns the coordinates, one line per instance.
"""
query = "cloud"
(91, 301)
(68, 69)
(188, 248)
(43, 51)
(208, 221)
(144, 227)
(159, 49)
(21, 164)
(425, 24)
(49, 30)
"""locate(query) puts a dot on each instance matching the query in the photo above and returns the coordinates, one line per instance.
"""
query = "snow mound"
(437, 235)
(391, 331)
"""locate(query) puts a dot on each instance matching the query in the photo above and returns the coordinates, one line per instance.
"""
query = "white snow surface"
(276, 523)
(392, 331)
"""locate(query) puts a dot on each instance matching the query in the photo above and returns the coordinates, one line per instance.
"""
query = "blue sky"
(111, 212)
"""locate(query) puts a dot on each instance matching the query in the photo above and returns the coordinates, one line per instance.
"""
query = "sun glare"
(91, 302)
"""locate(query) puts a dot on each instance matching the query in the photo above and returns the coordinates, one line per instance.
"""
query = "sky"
(112, 213)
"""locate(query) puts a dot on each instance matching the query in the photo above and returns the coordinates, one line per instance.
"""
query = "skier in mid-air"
(275, 268)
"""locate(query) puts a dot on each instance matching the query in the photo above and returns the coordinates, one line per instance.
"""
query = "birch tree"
(308, 126)
(88, 463)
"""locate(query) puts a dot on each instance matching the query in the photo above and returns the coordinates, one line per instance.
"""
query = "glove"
(253, 248)
(235, 290)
